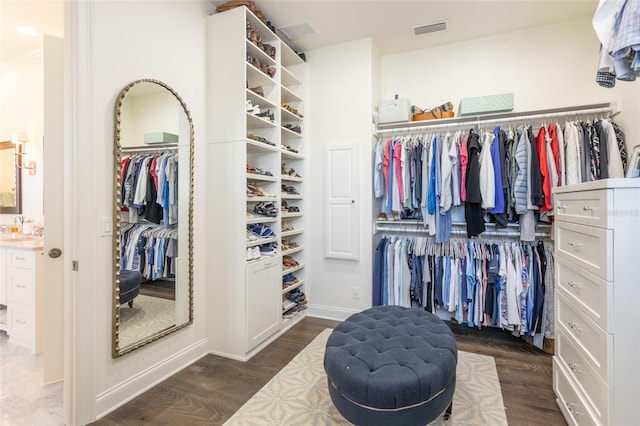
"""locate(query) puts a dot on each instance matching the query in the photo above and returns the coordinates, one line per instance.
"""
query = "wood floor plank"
(209, 391)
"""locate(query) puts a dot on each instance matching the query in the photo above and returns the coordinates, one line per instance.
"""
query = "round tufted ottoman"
(391, 365)
(129, 286)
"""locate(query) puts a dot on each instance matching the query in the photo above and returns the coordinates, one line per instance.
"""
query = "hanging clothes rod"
(479, 120)
(454, 231)
(155, 148)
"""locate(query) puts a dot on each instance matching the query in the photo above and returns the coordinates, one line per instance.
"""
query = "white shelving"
(240, 140)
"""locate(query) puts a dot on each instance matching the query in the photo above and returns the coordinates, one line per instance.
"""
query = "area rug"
(298, 394)
(148, 316)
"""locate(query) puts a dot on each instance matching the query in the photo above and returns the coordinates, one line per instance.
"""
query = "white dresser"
(596, 367)
(20, 264)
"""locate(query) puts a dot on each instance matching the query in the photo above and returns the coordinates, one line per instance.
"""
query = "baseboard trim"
(118, 395)
(330, 312)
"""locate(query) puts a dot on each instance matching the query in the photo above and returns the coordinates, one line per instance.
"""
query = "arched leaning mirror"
(153, 215)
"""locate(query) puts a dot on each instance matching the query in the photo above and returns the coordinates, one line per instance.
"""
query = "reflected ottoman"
(129, 286)
(391, 365)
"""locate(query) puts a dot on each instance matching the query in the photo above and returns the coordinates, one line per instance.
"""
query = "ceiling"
(389, 22)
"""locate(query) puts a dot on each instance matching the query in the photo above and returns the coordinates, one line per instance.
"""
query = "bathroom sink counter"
(23, 243)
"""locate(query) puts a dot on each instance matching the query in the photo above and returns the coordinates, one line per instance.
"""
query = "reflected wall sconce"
(19, 139)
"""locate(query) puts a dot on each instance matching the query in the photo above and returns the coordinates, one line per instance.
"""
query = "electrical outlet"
(355, 293)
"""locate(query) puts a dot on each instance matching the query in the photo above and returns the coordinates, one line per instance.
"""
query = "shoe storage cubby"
(256, 240)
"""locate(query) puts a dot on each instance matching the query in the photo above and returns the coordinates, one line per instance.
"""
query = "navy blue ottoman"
(391, 365)
(129, 286)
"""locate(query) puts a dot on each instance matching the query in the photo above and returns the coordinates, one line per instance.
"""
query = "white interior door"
(53, 169)
(341, 236)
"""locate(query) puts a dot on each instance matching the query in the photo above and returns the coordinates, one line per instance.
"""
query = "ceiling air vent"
(431, 28)
(296, 31)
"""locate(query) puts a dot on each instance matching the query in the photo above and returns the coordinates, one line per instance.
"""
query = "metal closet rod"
(424, 230)
(478, 121)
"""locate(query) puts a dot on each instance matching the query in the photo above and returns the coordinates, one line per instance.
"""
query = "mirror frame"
(17, 163)
(116, 350)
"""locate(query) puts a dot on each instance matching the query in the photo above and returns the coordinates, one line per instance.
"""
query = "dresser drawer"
(584, 207)
(21, 258)
(571, 404)
(594, 387)
(21, 321)
(591, 294)
(587, 247)
(20, 285)
(591, 339)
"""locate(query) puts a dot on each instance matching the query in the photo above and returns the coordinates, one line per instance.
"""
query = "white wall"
(551, 66)
(130, 40)
(21, 110)
(339, 102)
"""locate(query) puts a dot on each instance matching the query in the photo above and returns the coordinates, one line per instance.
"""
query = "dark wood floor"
(209, 391)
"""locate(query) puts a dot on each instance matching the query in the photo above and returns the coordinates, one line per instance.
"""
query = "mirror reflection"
(152, 215)
(10, 183)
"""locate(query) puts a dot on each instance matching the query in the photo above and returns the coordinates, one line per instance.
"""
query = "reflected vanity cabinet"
(597, 268)
(21, 278)
(255, 182)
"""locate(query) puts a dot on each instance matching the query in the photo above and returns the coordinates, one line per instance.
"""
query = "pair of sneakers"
(253, 253)
(269, 249)
(289, 280)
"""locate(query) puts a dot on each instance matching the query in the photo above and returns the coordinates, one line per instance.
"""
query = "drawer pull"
(574, 244)
(587, 208)
(20, 258)
(573, 326)
(21, 322)
(561, 207)
(574, 285)
(21, 285)
(574, 367)
(572, 408)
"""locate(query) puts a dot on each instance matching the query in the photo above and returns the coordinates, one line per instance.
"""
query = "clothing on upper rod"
(503, 176)
(149, 187)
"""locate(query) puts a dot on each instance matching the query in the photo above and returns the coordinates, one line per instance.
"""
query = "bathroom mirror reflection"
(153, 211)
(10, 179)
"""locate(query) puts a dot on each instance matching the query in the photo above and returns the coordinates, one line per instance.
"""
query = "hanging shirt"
(473, 205)
(615, 168)
(521, 173)
(487, 178)
(572, 165)
(378, 172)
(541, 147)
(464, 159)
(446, 197)
(455, 170)
(537, 192)
(497, 170)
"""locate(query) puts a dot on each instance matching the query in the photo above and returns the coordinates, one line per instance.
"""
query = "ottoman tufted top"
(390, 357)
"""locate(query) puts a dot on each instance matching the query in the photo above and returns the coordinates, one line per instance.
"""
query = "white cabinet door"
(3, 277)
(341, 236)
(263, 300)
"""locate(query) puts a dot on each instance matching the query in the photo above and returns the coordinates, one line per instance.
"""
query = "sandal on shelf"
(288, 148)
(261, 231)
(254, 191)
(287, 227)
(294, 209)
(263, 172)
(253, 170)
(266, 209)
(286, 170)
(257, 90)
(289, 189)
(284, 206)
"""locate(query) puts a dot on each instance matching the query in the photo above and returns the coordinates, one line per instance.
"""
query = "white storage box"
(486, 104)
(160, 137)
(394, 111)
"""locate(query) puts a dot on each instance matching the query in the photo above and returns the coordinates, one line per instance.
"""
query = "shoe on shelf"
(269, 249)
(257, 90)
(266, 209)
(263, 172)
(294, 209)
(286, 170)
(261, 231)
(252, 170)
(287, 227)
(250, 253)
(251, 236)
(289, 280)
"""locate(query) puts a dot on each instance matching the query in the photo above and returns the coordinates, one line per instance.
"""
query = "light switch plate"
(106, 226)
